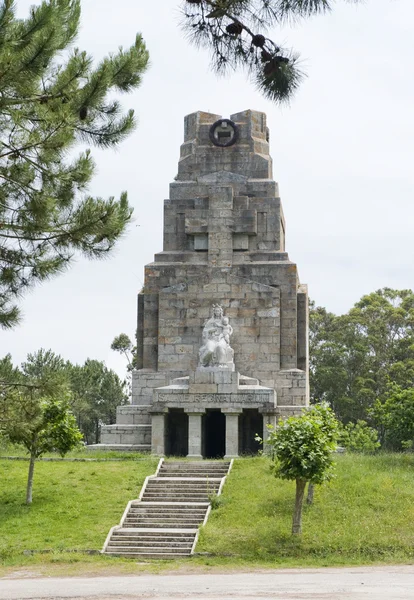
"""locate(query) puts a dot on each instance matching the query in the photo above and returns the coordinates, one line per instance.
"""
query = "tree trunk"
(297, 514)
(97, 431)
(309, 497)
(30, 478)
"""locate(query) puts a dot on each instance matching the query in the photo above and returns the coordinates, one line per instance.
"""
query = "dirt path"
(359, 583)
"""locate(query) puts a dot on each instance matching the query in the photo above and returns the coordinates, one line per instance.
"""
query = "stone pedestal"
(195, 435)
(232, 435)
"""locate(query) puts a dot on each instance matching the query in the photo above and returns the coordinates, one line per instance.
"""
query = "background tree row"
(362, 363)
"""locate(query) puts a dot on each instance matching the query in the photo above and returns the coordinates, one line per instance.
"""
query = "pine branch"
(233, 30)
(48, 104)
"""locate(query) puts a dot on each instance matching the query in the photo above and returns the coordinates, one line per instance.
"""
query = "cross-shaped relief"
(224, 227)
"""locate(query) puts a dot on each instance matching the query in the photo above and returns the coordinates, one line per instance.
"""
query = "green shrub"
(359, 437)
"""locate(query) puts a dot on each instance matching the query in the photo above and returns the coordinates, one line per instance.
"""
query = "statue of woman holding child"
(216, 350)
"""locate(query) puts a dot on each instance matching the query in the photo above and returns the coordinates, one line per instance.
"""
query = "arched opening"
(176, 432)
(250, 425)
(214, 434)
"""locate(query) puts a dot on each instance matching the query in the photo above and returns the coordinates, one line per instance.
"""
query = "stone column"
(158, 434)
(232, 435)
(195, 434)
(268, 419)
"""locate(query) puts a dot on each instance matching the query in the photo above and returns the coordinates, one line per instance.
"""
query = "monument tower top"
(216, 145)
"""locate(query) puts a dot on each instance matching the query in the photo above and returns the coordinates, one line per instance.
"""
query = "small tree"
(122, 344)
(302, 450)
(35, 408)
(43, 424)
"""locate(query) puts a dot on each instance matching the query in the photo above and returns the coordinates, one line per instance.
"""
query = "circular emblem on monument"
(224, 133)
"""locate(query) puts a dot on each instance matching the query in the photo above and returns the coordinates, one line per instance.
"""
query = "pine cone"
(258, 40)
(234, 29)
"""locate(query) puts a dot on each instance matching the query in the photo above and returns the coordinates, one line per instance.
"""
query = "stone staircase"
(173, 504)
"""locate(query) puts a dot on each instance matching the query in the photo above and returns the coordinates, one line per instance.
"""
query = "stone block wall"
(143, 384)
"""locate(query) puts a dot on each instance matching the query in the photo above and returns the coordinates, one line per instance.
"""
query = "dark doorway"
(214, 434)
(176, 432)
(250, 425)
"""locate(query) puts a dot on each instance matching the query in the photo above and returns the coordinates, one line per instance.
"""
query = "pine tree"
(233, 30)
(51, 98)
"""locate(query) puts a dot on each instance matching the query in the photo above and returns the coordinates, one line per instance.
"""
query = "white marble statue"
(216, 350)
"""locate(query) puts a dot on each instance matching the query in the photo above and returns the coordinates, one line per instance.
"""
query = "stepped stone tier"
(222, 338)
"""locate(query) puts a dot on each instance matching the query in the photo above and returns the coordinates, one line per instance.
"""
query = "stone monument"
(222, 337)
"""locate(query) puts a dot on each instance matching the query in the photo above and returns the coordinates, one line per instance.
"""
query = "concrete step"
(159, 493)
(191, 475)
(196, 463)
(155, 549)
(144, 505)
(179, 499)
(183, 493)
(154, 533)
(169, 523)
(184, 467)
(167, 514)
(170, 509)
(165, 468)
(202, 472)
(130, 540)
(184, 480)
(175, 488)
(166, 518)
(197, 487)
(183, 484)
(157, 524)
(195, 504)
(180, 513)
(150, 555)
(145, 543)
(168, 489)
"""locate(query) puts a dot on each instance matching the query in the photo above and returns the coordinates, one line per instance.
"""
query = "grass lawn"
(14, 450)
(74, 505)
(366, 515)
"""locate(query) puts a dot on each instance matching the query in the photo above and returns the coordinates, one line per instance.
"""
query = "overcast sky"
(342, 152)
